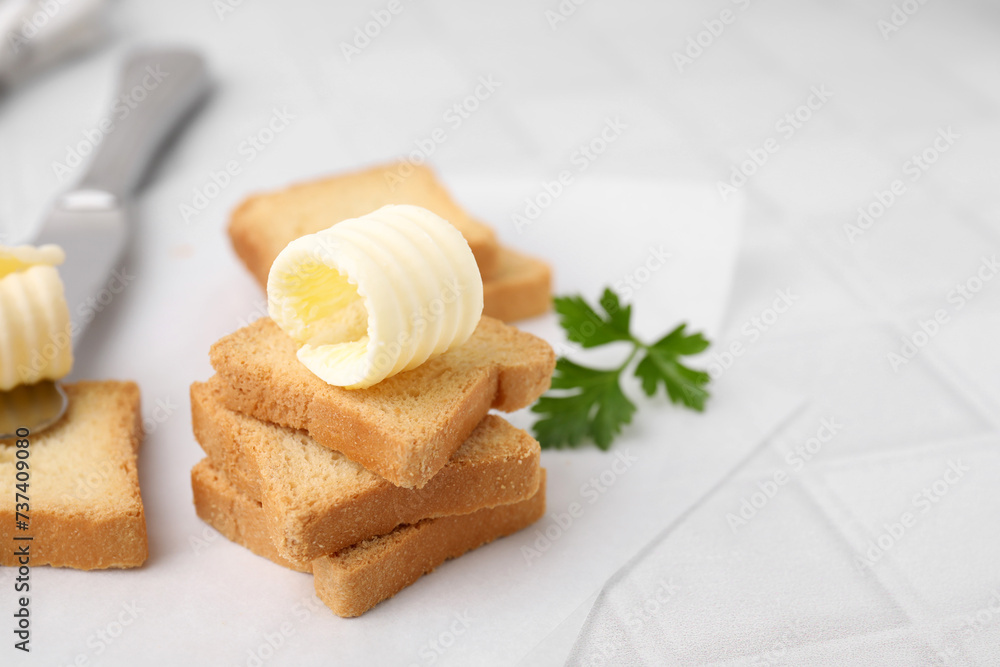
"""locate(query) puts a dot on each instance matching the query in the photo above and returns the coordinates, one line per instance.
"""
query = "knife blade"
(159, 89)
(93, 232)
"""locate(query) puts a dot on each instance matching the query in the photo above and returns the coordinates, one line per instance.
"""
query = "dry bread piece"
(234, 514)
(357, 578)
(317, 501)
(521, 288)
(404, 428)
(515, 286)
(264, 224)
(85, 508)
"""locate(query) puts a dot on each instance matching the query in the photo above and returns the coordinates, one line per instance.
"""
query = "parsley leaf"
(661, 365)
(588, 403)
(584, 326)
(597, 411)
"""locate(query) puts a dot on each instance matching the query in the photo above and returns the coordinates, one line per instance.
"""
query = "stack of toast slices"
(515, 286)
(368, 489)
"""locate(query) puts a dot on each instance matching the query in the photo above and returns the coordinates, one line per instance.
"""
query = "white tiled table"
(785, 588)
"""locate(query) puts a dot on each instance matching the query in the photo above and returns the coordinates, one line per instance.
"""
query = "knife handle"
(158, 89)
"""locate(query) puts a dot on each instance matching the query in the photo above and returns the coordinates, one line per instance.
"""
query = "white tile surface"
(793, 566)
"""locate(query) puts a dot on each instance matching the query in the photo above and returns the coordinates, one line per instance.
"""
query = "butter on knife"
(35, 336)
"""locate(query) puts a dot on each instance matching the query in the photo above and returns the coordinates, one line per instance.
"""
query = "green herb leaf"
(660, 365)
(588, 403)
(598, 410)
(584, 326)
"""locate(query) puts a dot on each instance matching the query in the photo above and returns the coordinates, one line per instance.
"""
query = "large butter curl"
(35, 336)
(374, 296)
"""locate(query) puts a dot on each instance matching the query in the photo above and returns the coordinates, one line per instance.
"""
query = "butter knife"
(161, 88)
(158, 89)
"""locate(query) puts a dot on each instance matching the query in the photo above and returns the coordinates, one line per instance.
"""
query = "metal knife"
(160, 87)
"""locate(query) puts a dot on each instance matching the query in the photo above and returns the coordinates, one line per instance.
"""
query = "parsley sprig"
(588, 403)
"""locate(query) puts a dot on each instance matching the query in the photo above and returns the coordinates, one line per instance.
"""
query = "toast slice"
(237, 516)
(521, 288)
(83, 486)
(264, 224)
(317, 501)
(354, 580)
(404, 428)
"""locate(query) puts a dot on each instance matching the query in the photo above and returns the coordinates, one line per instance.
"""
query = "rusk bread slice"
(84, 506)
(404, 428)
(236, 515)
(357, 578)
(264, 224)
(317, 501)
(521, 288)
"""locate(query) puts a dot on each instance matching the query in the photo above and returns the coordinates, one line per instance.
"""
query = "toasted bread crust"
(318, 502)
(265, 223)
(515, 286)
(357, 578)
(521, 288)
(91, 516)
(238, 517)
(404, 428)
